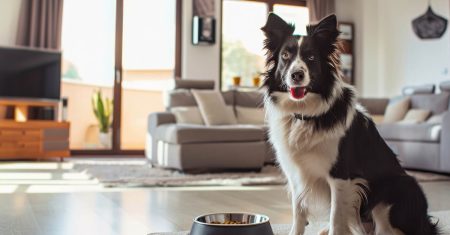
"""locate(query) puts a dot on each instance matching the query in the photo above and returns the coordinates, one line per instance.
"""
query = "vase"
(256, 81)
(236, 81)
(105, 139)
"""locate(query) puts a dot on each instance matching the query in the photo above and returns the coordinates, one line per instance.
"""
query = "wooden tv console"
(21, 138)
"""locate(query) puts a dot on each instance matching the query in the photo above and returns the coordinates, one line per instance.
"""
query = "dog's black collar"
(303, 117)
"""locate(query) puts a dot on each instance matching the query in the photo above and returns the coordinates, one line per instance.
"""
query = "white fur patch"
(346, 199)
(380, 215)
(298, 65)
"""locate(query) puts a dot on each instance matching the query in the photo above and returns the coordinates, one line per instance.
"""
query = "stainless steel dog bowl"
(213, 224)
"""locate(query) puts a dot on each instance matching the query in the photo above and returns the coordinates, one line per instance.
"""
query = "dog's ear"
(325, 31)
(276, 31)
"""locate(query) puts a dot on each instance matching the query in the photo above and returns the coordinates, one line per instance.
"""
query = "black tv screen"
(30, 73)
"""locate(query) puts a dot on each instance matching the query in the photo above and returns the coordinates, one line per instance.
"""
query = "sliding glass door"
(148, 65)
(88, 44)
(119, 55)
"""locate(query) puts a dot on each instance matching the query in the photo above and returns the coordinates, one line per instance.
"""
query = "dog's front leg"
(299, 217)
(342, 212)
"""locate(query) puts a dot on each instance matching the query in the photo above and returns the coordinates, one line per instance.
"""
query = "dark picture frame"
(347, 55)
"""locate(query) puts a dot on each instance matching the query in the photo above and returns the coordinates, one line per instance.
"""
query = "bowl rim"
(232, 225)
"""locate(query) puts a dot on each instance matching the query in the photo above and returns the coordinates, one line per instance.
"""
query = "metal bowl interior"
(242, 219)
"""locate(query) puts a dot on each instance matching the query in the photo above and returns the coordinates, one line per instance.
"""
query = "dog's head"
(302, 70)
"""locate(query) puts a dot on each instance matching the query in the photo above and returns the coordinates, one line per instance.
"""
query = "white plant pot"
(105, 139)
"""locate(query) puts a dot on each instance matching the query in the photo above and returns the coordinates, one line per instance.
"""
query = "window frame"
(270, 4)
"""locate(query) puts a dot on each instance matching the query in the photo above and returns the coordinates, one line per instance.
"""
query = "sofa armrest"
(159, 118)
(154, 120)
(375, 106)
(445, 143)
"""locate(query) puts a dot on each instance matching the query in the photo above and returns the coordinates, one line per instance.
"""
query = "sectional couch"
(421, 146)
(187, 147)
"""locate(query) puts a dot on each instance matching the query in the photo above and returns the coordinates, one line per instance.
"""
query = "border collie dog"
(327, 146)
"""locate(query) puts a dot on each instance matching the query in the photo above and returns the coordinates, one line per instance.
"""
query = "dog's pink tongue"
(298, 92)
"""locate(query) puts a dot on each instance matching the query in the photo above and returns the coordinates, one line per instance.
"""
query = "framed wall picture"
(203, 22)
(347, 55)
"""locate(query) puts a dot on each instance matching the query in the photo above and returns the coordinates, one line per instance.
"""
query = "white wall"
(9, 17)
(199, 62)
(388, 53)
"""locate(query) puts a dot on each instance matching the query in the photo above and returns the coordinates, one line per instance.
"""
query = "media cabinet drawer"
(20, 134)
(20, 145)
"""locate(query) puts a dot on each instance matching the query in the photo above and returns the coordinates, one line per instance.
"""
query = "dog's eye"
(311, 58)
(285, 55)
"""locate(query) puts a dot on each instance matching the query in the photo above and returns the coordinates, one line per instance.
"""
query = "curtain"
(40, 24)
(319, 9)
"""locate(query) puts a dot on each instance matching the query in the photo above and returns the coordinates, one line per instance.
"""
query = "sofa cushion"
(396, 110)
(436, 103)
(423, 132)
(179, 98)
(213, 108)
(251, 99)
(184, 97)
(185, 133)
(414, 116)
(436, 119)
(254, 116)
(188, 115)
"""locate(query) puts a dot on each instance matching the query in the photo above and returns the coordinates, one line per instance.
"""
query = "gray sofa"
(190, 147)
(422, 146)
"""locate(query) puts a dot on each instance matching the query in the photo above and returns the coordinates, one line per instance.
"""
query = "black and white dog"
(328, 148)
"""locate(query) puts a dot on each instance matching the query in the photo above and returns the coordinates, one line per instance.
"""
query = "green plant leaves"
(103, 110)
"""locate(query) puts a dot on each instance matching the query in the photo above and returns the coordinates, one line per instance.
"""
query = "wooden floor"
(59, 201)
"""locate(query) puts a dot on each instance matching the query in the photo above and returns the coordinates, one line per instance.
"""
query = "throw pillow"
(247, 115)
(213, 108)
(415, 116)
(397, 110)
(436, 119)
(188, 115)
(377, 119)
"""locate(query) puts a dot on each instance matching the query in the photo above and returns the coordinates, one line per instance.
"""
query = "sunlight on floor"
(62, 188)
(23, 175)
(44, 177)
(8, 188)
(55, 177)
(36, 166)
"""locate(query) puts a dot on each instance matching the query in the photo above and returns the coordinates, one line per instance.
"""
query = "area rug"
(314, 228)
(137, 173)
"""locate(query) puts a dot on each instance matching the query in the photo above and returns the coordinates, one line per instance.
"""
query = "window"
(297, 15)
(242, 38)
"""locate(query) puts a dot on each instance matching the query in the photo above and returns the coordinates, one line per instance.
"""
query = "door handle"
(118, 76)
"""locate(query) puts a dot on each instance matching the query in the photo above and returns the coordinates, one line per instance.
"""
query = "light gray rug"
(315, 228)
(137, 173)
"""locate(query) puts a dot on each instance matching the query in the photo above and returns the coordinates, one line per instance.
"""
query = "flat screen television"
(30, 73)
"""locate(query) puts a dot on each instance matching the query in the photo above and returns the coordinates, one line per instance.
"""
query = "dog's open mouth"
(298, 92)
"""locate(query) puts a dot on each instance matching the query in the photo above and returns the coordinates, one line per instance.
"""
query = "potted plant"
(103, 109)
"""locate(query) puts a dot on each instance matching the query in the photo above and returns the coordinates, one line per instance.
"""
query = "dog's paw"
(324, 231)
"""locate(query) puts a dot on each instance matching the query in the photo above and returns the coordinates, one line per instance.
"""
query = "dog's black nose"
(298, 76)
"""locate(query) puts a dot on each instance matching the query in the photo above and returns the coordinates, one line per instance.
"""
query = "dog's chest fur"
(306, 156)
